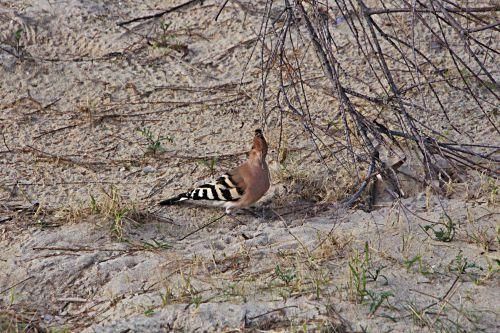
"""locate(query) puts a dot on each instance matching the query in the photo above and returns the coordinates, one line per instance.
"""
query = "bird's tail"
(174, 200)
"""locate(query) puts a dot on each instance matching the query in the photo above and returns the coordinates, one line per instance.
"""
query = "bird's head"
(259, 146)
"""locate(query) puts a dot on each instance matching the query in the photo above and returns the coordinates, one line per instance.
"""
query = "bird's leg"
(251, 211)
(258, 212)
(230, 213)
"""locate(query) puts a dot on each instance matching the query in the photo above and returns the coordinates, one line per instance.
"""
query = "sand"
(99, 122)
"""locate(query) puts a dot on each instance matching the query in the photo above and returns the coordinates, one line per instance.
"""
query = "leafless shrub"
(429, 77)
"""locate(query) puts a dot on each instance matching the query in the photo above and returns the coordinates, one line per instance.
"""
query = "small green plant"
(196, 300)
(498, 233)
(94, 207)
(358, 267)
(154, 142)
(188, 289)
(211, 164)
(377, 299)
(112, 207)
(360, 272)
(117, 226)
(492, 269)
(166, 37)
(166, 297)
(480, 235)
(410, 262)
(422, 268)
(320, 280)
(156, 245)
(493, 189)
(461, 264)
(446, 231)
(12, 297)
(149, 312)
(232, 290)
(287, 276)
(17, 37)
(165, 25)
(376, 274)
(18, 34)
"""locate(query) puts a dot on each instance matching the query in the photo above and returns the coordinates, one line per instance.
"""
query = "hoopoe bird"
(238, 188)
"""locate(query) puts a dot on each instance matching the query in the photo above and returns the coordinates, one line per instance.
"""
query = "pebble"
(148, 169)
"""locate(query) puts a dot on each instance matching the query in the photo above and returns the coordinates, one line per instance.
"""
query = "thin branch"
(379, 11)
(202, 227)
(184, 5)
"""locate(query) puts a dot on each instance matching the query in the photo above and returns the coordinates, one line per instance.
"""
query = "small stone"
(148, 169)
(47, 318)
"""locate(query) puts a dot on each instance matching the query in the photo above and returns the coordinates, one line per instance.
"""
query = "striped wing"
(225, 188)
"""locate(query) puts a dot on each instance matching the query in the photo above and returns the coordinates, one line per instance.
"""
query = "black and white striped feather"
(222, 190)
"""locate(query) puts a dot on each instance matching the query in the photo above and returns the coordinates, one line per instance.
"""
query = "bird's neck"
(257, 159)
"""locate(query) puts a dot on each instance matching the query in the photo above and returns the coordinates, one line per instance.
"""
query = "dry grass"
(109, 207)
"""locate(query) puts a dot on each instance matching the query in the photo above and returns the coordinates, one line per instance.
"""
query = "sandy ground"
(99, 122)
